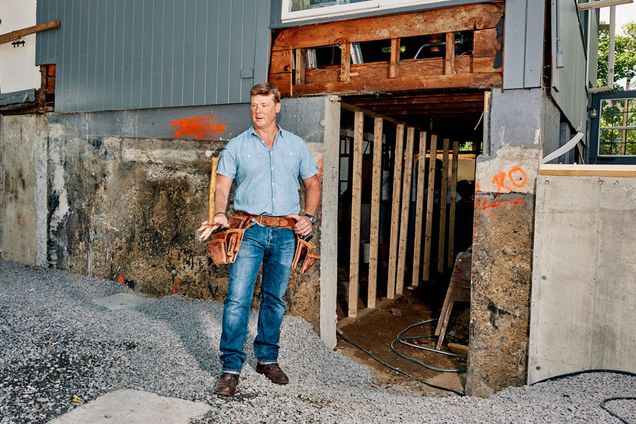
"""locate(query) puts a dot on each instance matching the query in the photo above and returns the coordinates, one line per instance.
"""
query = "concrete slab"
(134, 407)
(123, 301)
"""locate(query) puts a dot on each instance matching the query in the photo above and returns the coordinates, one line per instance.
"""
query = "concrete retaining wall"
(123, 208)
(24, 193)
(584, 276)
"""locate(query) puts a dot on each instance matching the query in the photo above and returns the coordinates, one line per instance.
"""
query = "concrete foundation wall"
(24, 191)
(516, 126)
(122, 207)
(584, 277)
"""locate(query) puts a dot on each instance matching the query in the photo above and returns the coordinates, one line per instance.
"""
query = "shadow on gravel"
(198, 325)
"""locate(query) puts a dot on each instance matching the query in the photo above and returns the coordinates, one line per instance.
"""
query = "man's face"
(263, 111)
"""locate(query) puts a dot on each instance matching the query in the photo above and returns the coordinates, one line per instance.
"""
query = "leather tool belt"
(225, 243)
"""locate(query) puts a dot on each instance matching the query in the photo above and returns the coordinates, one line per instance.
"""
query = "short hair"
(266, 88)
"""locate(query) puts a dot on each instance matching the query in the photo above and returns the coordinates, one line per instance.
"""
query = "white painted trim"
(346, 9)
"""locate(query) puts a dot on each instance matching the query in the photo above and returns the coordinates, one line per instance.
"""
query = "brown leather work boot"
(273, 372)
(226, 385)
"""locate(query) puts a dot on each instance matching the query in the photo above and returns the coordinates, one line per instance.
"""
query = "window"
(617, 129)
(295, 10)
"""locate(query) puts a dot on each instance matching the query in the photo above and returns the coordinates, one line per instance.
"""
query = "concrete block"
(134, 407)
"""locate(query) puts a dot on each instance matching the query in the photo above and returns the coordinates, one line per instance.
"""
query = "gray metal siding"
(523, 43)
(136, 54)
(569, 77)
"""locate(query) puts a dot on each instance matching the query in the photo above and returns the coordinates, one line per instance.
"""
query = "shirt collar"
(253, 132)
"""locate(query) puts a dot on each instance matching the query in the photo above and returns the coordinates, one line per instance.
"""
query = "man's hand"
(303, 225)
(205, 231)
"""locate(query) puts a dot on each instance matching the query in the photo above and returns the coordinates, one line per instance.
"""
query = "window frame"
(345, 9)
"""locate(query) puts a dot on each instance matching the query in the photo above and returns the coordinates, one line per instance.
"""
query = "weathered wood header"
(480, 66)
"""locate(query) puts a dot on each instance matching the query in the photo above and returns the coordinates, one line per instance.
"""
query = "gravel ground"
(57, 347)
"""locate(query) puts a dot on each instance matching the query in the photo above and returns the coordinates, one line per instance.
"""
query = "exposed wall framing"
(291, 70)
(412, 159)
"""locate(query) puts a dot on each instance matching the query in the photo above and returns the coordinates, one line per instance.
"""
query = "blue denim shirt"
(267, 180)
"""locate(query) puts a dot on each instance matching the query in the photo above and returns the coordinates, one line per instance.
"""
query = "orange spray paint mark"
(198, 127)
(120, 278)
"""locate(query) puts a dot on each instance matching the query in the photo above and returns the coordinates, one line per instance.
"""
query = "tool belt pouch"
(224, 245)
(306, 255)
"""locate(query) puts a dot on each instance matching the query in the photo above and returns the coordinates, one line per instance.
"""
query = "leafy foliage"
(625, 54)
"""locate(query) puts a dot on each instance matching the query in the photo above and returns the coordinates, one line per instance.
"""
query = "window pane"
(611, 113)
(609, 142)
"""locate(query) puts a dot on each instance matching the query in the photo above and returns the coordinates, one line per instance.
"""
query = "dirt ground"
(376, 330)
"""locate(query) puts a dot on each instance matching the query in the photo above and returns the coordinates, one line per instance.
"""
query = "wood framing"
(480, 68)
(376, 189)
(419, 208)
(441, 251)
(395, 210)
(406, 204)
(356, 203)
(428, 236)
(453, 206)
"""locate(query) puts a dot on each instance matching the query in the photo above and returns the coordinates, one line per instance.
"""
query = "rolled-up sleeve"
(227, 164)
(308, 166)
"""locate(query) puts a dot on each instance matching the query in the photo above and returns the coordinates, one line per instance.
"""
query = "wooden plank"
(356, 201)
(441, 252)
(281, 61)
(376, 189)
(625, 171)
(345, 62)
(449, 56)
(19, 33)
(406, 205)
(395, 210)
(419, 206)
(358, 86)
(352, 108)
(300, 66)
(451, 19)
(428, 236)
(453, 205)
(486, 43)
(395, 58)
(422, 100)
(373, 71)
(283, 82)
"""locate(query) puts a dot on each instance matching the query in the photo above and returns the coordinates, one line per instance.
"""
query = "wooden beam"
(19, 33)
(559, 170)
(300, 66)
(451, 19)
(362, 86)
(428, 237)
(376, 190)
(419, 209)
(395, 58)
(449, 56)
(356, 201)
(414, 100)
(395, 210)
(345, 62)
(406, 204)
(352, 108)
(441, 251)
(453, 206)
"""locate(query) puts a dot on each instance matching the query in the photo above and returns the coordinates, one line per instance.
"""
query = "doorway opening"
(406, 198)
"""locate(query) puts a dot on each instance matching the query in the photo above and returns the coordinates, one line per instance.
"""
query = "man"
(265, 162)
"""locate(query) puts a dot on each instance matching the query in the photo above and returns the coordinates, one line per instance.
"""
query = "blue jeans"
(274, 248)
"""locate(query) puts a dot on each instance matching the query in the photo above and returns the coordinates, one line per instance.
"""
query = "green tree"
(625, 54)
